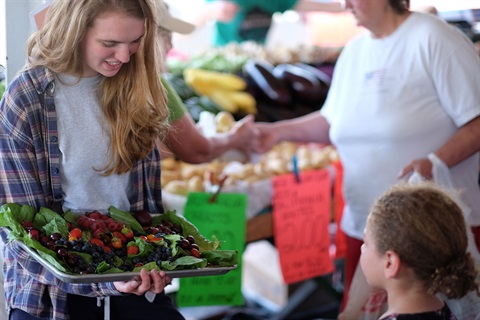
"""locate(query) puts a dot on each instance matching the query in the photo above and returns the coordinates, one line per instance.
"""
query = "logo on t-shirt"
(255, 26)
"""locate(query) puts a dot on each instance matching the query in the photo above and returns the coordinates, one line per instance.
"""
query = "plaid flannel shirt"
(30, 174)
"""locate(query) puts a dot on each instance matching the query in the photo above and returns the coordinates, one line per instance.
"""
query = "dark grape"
(62, 252)
(55, 236)
(191, 239)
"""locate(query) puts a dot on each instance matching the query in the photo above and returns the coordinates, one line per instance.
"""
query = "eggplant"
(322, 76)
(304, 84)
(261, 72)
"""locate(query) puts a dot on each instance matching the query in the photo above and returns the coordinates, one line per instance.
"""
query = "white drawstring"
(150, 296)
(106, 306)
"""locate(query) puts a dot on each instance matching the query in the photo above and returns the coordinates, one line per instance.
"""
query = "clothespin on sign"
(296, 172)
(218, 187)
(210, 181)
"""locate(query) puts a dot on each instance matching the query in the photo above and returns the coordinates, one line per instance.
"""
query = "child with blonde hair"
(415, 248)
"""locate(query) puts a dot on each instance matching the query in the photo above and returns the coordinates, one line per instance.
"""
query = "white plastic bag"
(468, 307)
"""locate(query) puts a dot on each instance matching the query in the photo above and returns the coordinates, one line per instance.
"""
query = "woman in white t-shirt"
(404, 93)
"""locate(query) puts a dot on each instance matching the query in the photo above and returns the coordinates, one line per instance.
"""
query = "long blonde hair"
(133, 101)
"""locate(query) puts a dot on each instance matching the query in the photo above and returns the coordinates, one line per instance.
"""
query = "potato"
(195, 184)
(320, 159)
(276, 166)
(169, 175)
(169, 164)
(224, 121)
(187, 171)
(176, 187)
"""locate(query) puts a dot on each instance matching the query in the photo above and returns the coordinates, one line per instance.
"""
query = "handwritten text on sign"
(226, 219)
(301, 216)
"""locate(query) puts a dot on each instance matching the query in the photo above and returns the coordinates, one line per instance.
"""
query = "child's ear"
(392, 264)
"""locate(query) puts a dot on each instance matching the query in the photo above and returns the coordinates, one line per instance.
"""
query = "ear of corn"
(244, 101)
(222, 99)
(225, 89)
(225, 81)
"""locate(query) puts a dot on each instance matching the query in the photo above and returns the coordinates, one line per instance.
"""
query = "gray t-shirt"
(84, 143)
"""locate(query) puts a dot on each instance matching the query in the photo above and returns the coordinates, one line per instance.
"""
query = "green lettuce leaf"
(112, 270)
(27, 213)
(221, 258)
(126, 218)
(57, 224)
(53, 261)
(174, 238)
(9, 219)
(188, 229)
(186, 262)
(71, 217)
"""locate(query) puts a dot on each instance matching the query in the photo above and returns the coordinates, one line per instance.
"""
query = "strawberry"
(127, 232)
(152, 238)
(120, 236)
(34, 234)
(116, 243)
(97, 241)
(98, 233)
(132, 250)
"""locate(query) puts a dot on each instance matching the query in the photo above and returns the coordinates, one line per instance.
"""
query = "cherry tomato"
(76, 233)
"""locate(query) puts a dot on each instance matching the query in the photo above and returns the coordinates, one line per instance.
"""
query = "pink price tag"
(301, 217)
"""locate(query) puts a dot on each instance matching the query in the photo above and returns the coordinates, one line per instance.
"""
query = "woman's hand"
(155, 281)
(245, 134)
(423, 166)
(267, 138)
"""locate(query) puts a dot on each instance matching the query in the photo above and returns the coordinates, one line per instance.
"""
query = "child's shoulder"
(443, 314)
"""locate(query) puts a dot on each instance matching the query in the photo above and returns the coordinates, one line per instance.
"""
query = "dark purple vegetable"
(322, 76)
(305, 85)
(325, 79)
(143, 217)
(261, 72)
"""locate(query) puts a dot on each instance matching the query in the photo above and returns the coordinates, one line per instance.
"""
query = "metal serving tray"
(123, 276)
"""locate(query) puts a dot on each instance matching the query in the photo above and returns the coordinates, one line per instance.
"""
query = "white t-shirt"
(397, 99)
(84, 142)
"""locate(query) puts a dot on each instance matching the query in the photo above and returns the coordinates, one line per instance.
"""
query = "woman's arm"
(189, 145)
(460, 146)
(309, 128)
